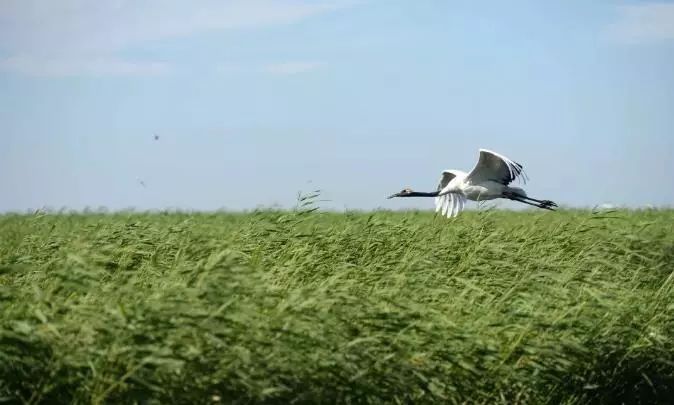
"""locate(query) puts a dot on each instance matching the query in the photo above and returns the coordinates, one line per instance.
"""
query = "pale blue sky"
(255, 100)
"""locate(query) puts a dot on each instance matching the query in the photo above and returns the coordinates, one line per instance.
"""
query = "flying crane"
(489, 179)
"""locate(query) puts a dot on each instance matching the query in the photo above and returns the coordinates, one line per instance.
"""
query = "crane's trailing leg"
(521, 197)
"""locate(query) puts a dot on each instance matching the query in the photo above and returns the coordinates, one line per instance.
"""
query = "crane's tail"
(518, 191)
(517, 194)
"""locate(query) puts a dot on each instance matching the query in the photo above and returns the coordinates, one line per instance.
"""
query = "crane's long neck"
(422, 194)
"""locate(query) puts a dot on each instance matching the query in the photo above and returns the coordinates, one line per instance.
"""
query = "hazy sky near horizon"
(256, 100)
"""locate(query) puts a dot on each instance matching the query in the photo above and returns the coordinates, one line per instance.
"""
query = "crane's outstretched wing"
(495, 167)
(446, 177)
(449, 204)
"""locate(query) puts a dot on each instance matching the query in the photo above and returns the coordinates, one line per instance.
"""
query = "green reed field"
(307, 307)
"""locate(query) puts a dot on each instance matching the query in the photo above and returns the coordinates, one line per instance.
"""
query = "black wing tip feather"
(516, 172)
(520, 173)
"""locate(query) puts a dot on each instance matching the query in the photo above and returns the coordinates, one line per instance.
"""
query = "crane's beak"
(393, 195)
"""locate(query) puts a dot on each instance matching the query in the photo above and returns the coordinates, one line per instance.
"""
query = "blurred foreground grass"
(308, 307)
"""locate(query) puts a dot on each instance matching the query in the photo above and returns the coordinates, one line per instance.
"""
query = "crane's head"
(406, 192)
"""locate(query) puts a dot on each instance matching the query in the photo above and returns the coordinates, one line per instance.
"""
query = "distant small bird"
(156, 137)
(489, 179)
(142, 183)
